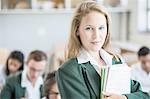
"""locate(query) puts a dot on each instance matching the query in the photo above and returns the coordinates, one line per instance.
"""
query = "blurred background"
(27, 25)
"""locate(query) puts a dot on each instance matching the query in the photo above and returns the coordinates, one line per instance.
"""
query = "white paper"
(118, 79)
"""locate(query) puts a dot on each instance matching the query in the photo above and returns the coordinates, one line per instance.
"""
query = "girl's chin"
(95, 49)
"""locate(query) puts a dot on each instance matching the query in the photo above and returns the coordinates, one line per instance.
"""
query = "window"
(148, 14)
(144, 15)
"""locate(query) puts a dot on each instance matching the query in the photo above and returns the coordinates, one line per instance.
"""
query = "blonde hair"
(74, 44)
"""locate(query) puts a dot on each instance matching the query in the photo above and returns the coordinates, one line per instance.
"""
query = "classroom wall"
(29, 31)
(33, 31)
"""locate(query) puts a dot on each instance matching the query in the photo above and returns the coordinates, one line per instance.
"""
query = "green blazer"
(13, 89)
(81, 81)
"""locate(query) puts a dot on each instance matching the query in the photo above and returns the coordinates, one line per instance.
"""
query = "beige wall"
(135, 35)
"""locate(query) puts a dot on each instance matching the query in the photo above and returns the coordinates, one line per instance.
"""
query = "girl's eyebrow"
(102, 25)
(88, 25)
(92, 26)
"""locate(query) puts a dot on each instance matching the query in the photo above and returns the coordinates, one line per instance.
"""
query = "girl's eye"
(101, 28)
(88, 28)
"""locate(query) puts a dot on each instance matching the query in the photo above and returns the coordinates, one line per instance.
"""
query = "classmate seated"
(14, 63)
(50, 87)
(141, 71)
(27, 84)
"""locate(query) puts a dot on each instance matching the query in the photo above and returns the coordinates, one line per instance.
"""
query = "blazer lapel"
(93, 78)
(20, 90)
(41, 91)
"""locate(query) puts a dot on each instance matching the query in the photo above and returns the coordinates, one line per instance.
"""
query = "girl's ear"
(77, 33)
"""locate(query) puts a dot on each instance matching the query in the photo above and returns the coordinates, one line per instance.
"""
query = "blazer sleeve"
(136, 92)
(7, 90)
(71, 85)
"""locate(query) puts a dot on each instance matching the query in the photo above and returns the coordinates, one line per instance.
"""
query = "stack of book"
(115, 79)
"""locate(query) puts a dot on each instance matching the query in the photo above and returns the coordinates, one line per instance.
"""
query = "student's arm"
(136, 92)
(71, 86)
(7, 90)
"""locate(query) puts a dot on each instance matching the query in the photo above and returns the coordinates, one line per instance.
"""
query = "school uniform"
(18, 86)
(138, 74)
(79, 78)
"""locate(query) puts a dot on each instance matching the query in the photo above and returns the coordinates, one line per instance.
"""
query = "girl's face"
(53, 92)
(93, 31)
(13, 65)
(145, 62)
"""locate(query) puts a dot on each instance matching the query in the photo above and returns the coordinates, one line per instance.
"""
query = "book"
(115, 79)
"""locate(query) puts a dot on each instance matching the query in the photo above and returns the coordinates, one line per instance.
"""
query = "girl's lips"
(95, 42)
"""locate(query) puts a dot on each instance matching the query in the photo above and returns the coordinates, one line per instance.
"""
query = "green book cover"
(115, 79)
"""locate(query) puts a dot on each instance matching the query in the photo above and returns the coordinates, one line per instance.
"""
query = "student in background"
(14, 63)
(141, 71)
(50, 87)
(27, 84)
(79, 76)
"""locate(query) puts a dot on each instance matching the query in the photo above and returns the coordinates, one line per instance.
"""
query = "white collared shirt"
(31, 92)
(84, 57)
(138, 74)
(2, 75)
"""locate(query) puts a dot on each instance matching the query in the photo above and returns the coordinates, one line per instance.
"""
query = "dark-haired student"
(141, 71)
(29, 83)
(14, 63)
(50, 87)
